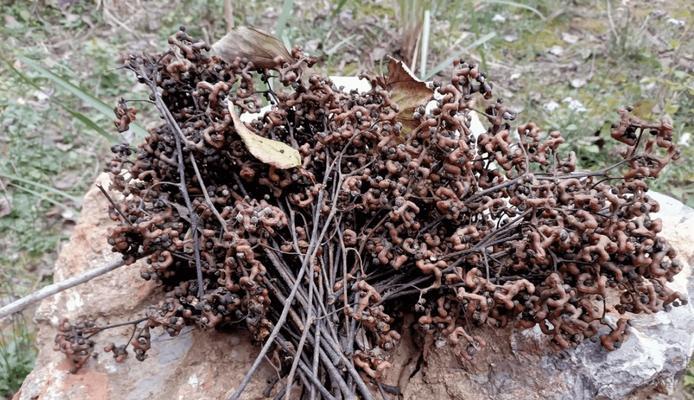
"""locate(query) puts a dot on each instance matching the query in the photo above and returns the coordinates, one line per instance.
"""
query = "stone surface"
(208, 365)
(520, 365)
(193, 365)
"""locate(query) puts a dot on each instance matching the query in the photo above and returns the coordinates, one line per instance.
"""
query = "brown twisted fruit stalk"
(497, 230)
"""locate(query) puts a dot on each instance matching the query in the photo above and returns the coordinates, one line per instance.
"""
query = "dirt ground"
(564, 65)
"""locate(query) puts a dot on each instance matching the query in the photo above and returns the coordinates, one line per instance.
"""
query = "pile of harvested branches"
(323, 222)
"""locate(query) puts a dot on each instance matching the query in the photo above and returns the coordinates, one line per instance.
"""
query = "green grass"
(17, 356)
(41, 175)
(622, 66)
(689, 380)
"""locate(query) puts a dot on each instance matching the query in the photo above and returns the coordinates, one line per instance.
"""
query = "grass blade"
(335, 48)
(51, 189)
(447, 62)
(338, 7)
(518, 5)
(42, 196)
(287, 7)
(76, 114)
(78, 92)
(68, 86)
(92, 125)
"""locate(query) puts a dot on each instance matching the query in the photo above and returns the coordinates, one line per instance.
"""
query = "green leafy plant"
(689, 380)
(17, 356)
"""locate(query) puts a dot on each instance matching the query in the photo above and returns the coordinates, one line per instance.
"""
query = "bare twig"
(285, 310)
(58, 287)
(113, 204)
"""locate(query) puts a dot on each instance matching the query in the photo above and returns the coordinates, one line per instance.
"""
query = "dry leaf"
(278, 154)
(407, 92)
(259, 47)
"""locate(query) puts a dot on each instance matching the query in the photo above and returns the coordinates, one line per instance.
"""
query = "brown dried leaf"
(407, 92)
(259, 47)
(272, 152)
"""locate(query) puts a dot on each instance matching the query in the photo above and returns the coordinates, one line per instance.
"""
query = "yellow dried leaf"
(259, 47)
(407, 92)
(272, 152)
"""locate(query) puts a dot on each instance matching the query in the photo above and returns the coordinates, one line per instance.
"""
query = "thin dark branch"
(113, 204)
(179, 137)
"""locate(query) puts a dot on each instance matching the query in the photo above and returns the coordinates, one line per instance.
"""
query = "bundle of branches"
(326, 220)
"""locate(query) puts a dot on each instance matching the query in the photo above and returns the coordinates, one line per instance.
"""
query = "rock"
(574, 105)
(569, 38)
(498, 18)
(578, 83)
(510, 38)
(551, 105)
(521, 365)
(193, 365)
(556, 50)
(209, 365)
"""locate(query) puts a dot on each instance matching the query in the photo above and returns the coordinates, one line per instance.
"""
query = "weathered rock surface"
(521, 365)
(209, 365)
(193, 365)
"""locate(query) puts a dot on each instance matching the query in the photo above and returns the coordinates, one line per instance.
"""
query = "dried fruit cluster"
(395, 207)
